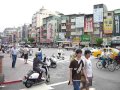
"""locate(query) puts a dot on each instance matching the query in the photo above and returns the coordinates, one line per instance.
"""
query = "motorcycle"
(60, 56)
(34, 77)
(51, 61)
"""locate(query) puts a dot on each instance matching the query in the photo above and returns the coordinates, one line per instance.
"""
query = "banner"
(117, 24)
(98, 15)
(108, 26)
(88, 27)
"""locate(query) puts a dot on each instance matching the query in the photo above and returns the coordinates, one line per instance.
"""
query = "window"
(110, 22)
(105, 22)
(109, 14)
(101, 6)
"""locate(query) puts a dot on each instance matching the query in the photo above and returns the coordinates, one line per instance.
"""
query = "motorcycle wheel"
(63, 58)
(28, 83)
(48, 78)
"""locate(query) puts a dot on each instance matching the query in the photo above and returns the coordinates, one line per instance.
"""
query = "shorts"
(85, 84)
(25, 56)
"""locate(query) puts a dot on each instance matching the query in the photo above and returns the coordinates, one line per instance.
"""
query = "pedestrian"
(76, 66)
(88, 69)
(39, 53)
(26, 51)
(13, 54)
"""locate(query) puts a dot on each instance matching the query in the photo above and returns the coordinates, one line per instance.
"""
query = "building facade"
(50, 30)
(37, 20)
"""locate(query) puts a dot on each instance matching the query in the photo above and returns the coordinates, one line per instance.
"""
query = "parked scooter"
(34, 77)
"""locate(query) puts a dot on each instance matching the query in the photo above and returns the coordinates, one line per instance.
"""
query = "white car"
(88, 48)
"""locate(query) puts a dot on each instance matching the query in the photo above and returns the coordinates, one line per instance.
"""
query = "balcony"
(76, 33)
(72, 26)
(73, 20)
(63, 21)
(63, 27)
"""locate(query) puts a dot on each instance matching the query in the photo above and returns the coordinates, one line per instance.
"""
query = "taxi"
(98, 52)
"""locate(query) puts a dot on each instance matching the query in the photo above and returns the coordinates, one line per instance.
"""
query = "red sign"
(88, 25)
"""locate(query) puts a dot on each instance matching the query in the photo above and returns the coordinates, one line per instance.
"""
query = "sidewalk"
(17, 73)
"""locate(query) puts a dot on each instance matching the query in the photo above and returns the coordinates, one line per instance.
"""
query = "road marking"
(39, 87)
(2, 86)
(56, 84)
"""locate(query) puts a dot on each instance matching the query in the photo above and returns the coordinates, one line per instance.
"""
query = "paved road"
(103, 79)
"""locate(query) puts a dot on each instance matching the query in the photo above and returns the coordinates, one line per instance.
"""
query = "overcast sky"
(17, 12)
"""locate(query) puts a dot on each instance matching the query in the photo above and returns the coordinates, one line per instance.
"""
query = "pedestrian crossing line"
(59, 83)
(39, 87)
(2, 86)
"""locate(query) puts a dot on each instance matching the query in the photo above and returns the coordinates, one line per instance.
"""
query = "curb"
(11, 82)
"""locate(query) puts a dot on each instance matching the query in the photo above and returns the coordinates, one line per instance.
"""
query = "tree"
(31, 40)
(99, 41)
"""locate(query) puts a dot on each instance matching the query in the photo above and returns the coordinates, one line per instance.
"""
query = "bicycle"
(116, 62)
(108, 63)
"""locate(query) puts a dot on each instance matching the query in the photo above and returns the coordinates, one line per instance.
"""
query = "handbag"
(82, 77)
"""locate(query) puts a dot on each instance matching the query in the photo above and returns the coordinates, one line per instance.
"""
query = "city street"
(103, 79)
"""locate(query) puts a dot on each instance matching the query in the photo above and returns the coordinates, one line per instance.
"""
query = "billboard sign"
(80, 22)
(49, 31)
(88, 27)
(108, 25)
(98, 15)
(117, 25)
(85, 38)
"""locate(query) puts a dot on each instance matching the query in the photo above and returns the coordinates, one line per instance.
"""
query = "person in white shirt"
(14, 53)
(104, 57)
(60, 52)
(88, 69)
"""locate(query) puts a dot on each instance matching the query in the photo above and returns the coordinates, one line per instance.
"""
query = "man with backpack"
(76, 66)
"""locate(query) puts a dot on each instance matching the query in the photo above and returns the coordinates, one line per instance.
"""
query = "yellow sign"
(76, 39)
(108, 26)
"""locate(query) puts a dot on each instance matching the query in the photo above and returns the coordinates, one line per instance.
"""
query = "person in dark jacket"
(36, 65)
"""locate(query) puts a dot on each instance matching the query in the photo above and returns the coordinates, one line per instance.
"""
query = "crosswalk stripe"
(39, 87)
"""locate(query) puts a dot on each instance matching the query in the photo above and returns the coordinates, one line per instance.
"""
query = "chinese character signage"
(98, 15)
(88, 27)
(108, 26)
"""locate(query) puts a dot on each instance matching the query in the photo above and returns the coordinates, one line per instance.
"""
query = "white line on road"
(39, 87)
(2, 86)
(55, 84)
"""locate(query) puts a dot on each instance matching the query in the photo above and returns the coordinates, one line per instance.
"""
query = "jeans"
(14, 57)
(76, 85)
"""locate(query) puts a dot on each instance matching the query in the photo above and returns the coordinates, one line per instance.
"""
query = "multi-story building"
(73, 26)
(98, 15)
(25, 29)
(87, 37)
(31, 32)
(37, 20)
(50, 30)
(10, 34)
(108, 27)
(19, 34)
